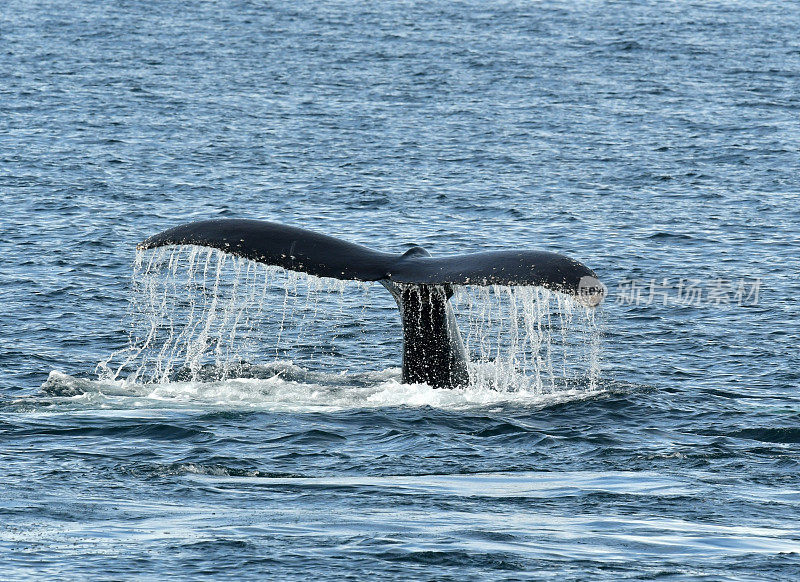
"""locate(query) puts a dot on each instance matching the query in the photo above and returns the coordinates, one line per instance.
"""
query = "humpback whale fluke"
(421, 285)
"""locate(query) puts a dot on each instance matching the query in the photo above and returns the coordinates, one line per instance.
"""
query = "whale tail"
(422, 285)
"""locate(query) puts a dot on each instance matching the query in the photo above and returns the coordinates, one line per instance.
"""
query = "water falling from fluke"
(225, 299)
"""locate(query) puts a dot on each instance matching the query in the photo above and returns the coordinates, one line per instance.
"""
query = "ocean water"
(659, 143)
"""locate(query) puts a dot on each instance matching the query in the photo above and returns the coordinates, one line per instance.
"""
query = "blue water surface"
(657, 142)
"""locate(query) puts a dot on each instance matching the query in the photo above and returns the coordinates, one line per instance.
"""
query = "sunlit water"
(210, 417)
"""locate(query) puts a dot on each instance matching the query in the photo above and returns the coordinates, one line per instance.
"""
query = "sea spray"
(200, 313)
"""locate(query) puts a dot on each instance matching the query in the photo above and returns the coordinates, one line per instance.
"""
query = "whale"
(421, 284)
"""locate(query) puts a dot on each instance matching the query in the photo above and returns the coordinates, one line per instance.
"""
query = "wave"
(286, 387)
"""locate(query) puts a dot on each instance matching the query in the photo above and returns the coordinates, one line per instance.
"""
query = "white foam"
(330, 392)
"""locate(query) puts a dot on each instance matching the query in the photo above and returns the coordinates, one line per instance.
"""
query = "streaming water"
(199, 313)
